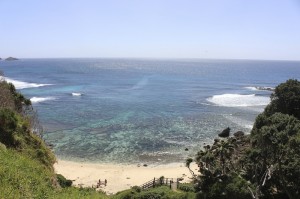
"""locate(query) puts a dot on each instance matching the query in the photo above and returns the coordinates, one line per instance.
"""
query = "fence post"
(153, 182)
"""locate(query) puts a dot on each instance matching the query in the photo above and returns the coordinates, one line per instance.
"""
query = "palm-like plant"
(223, 150)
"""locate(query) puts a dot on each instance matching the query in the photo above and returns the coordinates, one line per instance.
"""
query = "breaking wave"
(41, 99)
(253, 88)
(237, 100)
(76, 94)
(21, 85)
(260, 88)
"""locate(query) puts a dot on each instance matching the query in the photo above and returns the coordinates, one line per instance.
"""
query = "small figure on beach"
(99, 183)
(105, 182)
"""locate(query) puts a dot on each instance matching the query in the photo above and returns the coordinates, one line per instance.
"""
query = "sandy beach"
(119, 177)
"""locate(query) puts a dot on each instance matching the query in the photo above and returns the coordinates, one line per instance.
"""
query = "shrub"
(137, 189)
(8, 124)
(63, 182)
(187, 187)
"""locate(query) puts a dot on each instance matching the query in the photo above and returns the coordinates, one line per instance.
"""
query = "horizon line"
(157, 58)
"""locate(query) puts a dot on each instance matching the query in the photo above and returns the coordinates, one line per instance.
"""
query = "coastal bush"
(276, 141)
(285, 99)
(11, 98)
(6, 98)
(187, 187)
(137, 189)
(63, 182)
(15, 133)
(8, 125)
(161, 192)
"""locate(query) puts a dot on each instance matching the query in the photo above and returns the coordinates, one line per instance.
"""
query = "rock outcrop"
(239, 134)
(225, 133)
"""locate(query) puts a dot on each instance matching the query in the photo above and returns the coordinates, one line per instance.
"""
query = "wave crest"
(76, 94)
(260, 88)
(41, 99)
(237, 100)
(21, 85)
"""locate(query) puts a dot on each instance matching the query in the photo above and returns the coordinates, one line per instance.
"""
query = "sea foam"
(253, 88)
(76, 94)
(41, 99)
(260, 88)
(237, 100)
(21, 85)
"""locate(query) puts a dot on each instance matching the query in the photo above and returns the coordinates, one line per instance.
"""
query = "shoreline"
(119, 177)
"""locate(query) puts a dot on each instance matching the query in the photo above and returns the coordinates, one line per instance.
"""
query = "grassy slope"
(24, 177)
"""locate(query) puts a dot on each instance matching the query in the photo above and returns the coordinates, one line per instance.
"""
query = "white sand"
(119, 177)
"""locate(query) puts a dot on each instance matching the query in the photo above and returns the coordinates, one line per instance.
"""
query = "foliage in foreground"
(22, 177)
(264, 164)
(162, 192)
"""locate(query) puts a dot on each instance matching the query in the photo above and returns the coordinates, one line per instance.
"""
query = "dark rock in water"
(145, 165)
(11, 59)
(239, 134)
(225, 133)
(186, 149)
(217, 140)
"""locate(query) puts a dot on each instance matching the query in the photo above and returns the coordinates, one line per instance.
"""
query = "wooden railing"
(160, 181)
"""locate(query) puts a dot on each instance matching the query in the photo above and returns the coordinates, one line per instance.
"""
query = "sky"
(202, 29)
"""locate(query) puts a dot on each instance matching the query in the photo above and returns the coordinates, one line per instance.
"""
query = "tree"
(285, 99)
(223, 150)
(277, 140)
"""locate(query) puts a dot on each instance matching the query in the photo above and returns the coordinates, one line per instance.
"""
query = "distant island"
(11, 59)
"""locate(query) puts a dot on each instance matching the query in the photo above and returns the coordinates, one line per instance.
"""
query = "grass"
(23, 177)
(162, 192)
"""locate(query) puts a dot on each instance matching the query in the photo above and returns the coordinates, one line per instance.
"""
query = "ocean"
(143, 110)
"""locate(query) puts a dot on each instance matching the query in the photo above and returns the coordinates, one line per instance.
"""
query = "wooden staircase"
(172, 182)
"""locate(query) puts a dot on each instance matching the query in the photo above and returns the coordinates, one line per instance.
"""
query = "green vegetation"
(264, 164)
(63, 182)
(162, 192)
(285, 99)
(23, 177)
(187, 187)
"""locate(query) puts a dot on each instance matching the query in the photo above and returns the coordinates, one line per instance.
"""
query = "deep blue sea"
(135, 110)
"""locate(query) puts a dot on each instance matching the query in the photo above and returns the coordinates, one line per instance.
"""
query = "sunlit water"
(128, 111)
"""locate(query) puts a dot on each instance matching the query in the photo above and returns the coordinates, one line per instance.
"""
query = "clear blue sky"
(241, 29)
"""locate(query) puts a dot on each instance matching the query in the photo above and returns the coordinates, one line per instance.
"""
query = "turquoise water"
(131, 110)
